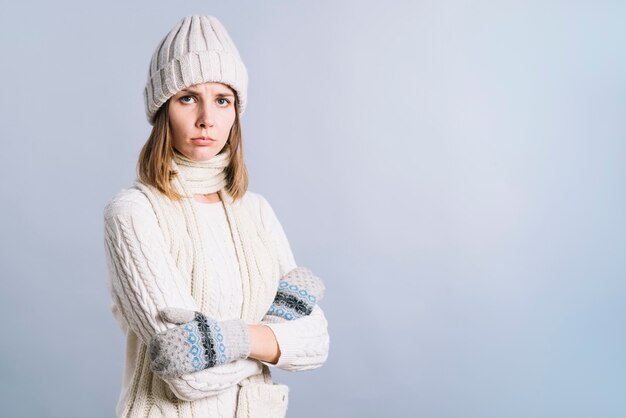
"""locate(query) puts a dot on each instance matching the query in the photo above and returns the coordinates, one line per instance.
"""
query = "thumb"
(177, 315)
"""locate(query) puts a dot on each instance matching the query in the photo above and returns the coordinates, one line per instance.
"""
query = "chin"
(202, 156)
(206, 158)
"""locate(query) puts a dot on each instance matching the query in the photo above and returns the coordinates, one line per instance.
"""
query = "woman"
(203, 281)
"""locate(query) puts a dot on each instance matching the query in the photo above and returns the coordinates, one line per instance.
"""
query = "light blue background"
(453, 170)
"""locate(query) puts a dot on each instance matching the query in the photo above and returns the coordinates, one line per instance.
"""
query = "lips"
(203, 140)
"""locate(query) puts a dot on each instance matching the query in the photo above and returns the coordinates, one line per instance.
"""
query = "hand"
(197, 343)
(298, 292)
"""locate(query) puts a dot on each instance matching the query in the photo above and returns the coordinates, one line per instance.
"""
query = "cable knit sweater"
(137, 255)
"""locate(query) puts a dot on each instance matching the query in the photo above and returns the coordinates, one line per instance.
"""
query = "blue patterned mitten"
(197, 343)
(298, 292)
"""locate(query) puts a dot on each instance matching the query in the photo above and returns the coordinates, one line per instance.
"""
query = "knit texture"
(274, 405)
(203, 177)
(258, 264)
(197, 344)
(197, 50)
(147, 273)
(298, 292)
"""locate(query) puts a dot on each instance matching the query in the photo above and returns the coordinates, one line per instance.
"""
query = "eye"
(184, 99)
(225, 102)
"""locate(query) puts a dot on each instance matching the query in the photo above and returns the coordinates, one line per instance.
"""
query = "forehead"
(208, 87)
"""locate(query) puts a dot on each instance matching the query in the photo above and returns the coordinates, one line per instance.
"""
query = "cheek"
(227, 122)
(176, 127)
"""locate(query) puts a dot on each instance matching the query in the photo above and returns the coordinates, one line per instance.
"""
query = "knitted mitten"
(298, 292)
(197, 343)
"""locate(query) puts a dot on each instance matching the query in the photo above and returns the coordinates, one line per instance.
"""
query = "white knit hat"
(197, 50)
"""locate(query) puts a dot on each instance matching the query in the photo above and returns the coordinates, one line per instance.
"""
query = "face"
(200, 118)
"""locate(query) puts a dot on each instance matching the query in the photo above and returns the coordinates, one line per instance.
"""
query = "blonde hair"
(153, 166)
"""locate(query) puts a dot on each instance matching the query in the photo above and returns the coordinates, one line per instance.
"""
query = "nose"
(205, 117)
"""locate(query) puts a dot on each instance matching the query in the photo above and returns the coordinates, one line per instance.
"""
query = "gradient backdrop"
(453, 170)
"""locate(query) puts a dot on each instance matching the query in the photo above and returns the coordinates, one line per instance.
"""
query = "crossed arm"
(143, 279)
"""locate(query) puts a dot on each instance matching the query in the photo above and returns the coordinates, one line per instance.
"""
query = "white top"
(131, 228)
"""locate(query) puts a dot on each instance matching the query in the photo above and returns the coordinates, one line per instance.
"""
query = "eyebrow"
(197, 92)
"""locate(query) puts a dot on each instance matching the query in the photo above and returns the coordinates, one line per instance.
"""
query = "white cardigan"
(131, 229)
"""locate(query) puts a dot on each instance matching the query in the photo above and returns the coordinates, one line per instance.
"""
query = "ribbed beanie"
(196, 50)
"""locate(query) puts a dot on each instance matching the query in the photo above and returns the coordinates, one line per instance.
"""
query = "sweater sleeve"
(303, 342)
(143, 279)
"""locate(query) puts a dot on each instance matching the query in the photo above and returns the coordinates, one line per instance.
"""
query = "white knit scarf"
(258, 261)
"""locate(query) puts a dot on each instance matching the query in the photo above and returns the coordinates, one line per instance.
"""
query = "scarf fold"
(202, 177)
